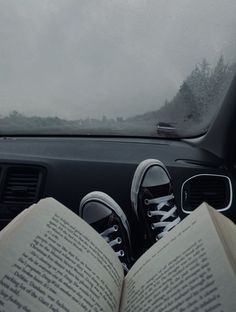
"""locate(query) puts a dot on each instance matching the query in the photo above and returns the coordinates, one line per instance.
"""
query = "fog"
(78, 59)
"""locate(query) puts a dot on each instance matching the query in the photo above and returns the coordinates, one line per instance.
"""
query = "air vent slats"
(22, 186)
(213, 189)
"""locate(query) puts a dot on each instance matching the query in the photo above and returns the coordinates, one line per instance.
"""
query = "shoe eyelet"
(149, 214)
(115, 228)
(152, 226)
(146, 201)
(119, 240)
(121, 253)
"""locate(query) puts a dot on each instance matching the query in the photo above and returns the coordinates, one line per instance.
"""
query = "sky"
(77, 59)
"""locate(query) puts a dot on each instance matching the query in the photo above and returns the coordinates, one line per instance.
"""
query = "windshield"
(157, 68)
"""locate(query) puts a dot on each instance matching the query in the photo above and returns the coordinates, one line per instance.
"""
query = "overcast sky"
(75, 59)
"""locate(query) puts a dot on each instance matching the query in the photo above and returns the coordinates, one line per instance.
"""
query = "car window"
(131, 68)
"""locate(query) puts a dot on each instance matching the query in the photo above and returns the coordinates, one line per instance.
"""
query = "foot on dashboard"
(153, 200)
(107, 218)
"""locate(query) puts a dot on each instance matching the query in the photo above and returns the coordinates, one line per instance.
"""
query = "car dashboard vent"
(214, 189)
(22, 186)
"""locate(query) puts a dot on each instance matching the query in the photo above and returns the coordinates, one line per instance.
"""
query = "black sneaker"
(107, 218)
(153, 200)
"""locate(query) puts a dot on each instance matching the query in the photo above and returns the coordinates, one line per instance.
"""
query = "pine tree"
(188, 103)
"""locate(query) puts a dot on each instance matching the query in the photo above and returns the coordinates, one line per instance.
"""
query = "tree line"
(199, 96)
(197, 100)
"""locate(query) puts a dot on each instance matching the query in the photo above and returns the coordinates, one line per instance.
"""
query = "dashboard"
(67, 168)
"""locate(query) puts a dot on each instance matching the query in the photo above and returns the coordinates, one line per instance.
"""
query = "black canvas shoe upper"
(108, 219)
(153, 200)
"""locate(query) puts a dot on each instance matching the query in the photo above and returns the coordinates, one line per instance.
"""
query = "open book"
(51, 260)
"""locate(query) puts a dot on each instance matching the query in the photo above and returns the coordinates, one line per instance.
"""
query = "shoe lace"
(113, 242)
(164, 215)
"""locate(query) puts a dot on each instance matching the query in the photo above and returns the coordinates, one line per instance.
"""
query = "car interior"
(69, 167)
(90, 89)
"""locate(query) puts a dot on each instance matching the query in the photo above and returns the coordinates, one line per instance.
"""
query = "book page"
(187, 270)
(227, 232)
(10, 227)
(54, 261)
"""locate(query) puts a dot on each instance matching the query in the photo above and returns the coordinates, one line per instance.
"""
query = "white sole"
(138, 178)
(108, 201)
